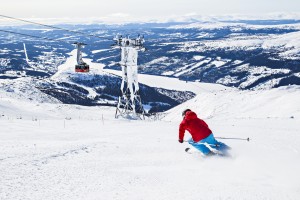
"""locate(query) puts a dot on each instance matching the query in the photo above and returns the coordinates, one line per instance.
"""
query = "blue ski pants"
(207, 144)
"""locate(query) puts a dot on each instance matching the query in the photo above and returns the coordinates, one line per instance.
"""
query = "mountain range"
(248, 54)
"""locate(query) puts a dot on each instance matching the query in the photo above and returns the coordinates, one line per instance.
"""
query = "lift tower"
(130, 104)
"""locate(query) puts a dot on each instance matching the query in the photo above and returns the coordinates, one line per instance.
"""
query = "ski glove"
(180, 141)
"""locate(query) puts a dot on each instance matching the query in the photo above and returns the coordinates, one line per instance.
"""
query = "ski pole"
(226, 138)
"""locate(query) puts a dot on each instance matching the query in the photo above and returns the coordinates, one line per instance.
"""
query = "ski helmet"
(186, 110)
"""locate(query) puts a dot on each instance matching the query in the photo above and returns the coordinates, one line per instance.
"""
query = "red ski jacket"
(197, 127)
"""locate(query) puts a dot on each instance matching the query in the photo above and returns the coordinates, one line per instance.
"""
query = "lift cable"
(33, 36)
(54, 27)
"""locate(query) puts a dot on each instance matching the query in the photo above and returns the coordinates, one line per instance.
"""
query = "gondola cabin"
(82, 68)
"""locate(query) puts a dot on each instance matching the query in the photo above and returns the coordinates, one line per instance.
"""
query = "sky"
(139, 10)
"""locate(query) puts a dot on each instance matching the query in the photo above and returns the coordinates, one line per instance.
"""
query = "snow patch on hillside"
(274, 103)
(99, 51)
(24, 89)
(234, 26)
(4, 62)
(289, 41)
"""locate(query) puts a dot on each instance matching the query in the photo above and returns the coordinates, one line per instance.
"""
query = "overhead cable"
(54, 27)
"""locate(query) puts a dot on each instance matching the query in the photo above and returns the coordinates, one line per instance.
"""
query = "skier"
(202, 137)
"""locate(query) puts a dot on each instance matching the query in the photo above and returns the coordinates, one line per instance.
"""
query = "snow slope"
(277, 103)
(56, 151)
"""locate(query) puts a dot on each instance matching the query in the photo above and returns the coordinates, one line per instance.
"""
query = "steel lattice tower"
(130, 104)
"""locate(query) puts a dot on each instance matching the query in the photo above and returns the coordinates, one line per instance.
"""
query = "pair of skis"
(212, 152)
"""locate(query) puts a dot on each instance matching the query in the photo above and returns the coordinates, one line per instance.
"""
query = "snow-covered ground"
(56, 151)
(47, 155)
